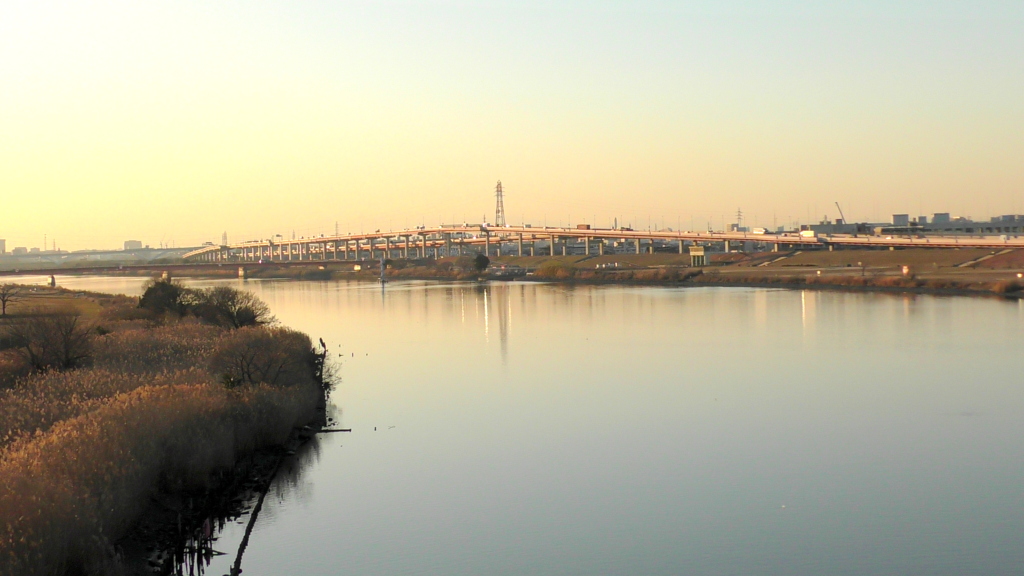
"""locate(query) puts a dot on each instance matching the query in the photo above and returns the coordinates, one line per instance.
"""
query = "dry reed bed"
(72, 491)
(123, 361)
(81, 452)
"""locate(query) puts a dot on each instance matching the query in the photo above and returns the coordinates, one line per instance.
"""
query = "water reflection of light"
(504, 321)
(487, 324)
(808, 310)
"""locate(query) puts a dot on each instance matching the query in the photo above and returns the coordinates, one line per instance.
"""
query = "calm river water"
(520, 428)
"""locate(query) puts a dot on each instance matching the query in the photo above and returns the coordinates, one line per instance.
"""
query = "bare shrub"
(253, 355)
(59, 340)
(228, 307)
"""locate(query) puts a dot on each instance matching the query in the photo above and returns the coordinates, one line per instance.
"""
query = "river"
(523, 428)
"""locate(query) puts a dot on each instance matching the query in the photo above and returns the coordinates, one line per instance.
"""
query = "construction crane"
(841, 213)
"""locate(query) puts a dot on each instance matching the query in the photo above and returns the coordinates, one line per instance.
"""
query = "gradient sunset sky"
(174, 122)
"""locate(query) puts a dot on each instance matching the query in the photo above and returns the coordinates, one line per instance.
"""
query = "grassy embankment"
(154, 403)
(941, 271)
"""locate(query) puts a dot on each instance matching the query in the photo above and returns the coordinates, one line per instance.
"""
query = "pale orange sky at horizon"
(171, 123)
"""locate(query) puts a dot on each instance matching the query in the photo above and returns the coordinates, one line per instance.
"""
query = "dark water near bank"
(542, 429)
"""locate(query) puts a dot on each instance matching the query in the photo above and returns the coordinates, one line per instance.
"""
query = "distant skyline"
(173, 122)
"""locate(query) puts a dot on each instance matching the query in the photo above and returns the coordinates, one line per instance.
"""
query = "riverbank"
(132, 406)
(938, 271)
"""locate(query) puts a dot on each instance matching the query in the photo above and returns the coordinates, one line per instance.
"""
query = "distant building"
(901, 219)
(3, 247)
(839, 227)
(34, 250)
(19, 250)
(1006, 225)
(132, 245)
(922, 220)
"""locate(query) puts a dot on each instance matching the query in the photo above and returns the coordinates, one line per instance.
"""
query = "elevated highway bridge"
(455, 240)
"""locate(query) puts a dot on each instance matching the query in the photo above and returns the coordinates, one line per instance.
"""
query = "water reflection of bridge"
(535, 241)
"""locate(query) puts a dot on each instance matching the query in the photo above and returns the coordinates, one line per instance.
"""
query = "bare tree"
(8, 293)
(231, 308)
(58, 341)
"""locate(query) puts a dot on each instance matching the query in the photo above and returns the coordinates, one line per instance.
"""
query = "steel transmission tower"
(499, 210)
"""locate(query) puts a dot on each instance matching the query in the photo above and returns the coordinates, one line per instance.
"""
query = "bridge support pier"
(487, 244)
(520, 244)
(637, 245)
(600, 247)
(727, 246)
(586, 245)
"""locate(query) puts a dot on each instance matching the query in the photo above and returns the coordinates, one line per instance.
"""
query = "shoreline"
(709, 277)
(947, 272)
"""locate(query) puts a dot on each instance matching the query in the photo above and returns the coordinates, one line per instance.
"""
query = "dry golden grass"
(75, 489)
(82, 451)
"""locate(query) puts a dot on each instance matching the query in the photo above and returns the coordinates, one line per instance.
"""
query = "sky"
(174, 122)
